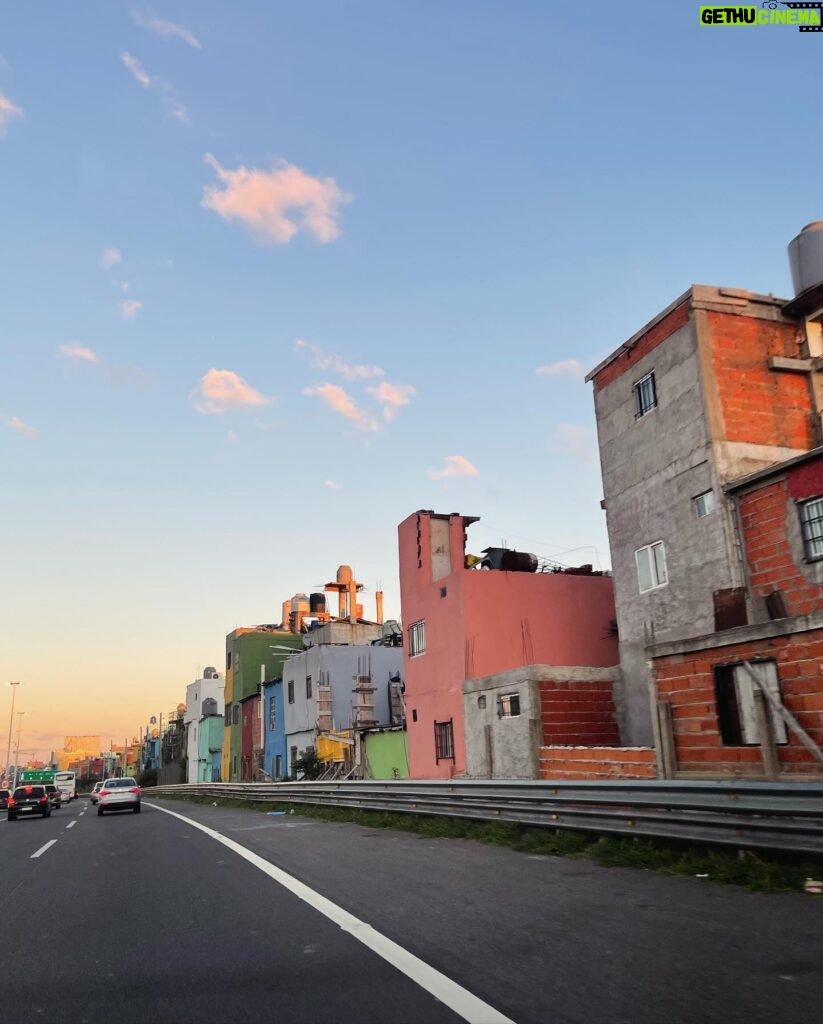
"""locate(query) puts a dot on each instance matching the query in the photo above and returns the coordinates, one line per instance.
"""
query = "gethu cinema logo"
(807, 16)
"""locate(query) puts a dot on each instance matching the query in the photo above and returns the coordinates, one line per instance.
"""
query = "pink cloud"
(563, 368)
(456, 465)
(22, 428)
(262, 199)
(391, 396)
(338, 400)
(77, 351)
(165, 29)
(333, 485)
(8, 111)
(138, 72)
(326, 361)
(130, 309)
(575, 441)
(221, 390)
(110, 257)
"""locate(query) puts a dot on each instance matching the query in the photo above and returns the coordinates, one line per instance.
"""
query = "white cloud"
(327, 361)
(8, 111)
(110, 257)
(171, 101)
(231, 437)
(130, 308)
(455, 465)
(74, 350)
(138, 72)
(342, 403)
(563, 368)
(221, 390)
(333, 485)
(17, 424)
(165, 29)
(391, 396)
(275, 205)
(575, 441)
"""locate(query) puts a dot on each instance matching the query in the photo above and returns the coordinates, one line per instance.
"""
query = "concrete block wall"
(578, 713)
(582, 763)
(687, 682)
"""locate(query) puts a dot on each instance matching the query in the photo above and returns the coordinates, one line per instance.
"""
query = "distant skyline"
(276, 276)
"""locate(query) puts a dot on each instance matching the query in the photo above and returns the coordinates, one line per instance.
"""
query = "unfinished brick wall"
(578, 713)
(649, 341)
(759, 405)
(772, 565)
(687, 682)
(597, 763)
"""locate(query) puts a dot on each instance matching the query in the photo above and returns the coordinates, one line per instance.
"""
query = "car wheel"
(47, 814)
(100, 812)
(12, 817)
(137, 808)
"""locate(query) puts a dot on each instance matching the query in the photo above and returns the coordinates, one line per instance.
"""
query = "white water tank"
(806, 257)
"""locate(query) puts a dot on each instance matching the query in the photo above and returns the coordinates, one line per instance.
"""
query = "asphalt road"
(266, 919)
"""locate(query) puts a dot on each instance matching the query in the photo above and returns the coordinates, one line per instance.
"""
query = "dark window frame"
(643, 403)
(444, 741)
(308, 687)
(727, 709)
(290, 690)
(807, 525)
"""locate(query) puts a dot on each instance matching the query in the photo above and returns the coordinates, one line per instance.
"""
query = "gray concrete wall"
(344, 633)
(502, 748)
(652, 469)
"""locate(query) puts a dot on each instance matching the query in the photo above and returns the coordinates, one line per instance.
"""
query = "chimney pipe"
(379, 600)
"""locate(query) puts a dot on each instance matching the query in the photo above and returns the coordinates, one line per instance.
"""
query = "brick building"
(509, 673)
(709, 425)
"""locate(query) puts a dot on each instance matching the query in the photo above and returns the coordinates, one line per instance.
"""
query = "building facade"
(210, 748)
(484, 650)
(211, 686)
(275, 761)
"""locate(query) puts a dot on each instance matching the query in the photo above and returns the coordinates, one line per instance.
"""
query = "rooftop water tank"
(806, 257)
(317, 603)
(209, 707)
(344, 574)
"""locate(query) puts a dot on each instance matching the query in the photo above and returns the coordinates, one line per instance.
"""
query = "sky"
(273, 276)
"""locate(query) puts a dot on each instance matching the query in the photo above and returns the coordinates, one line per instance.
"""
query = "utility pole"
(11, 721)
(17, 751)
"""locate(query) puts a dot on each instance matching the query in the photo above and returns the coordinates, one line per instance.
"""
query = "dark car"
(29, 800)
(4, 798)
(55, 796)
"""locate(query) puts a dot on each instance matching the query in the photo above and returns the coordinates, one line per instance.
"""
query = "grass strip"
(761, 871)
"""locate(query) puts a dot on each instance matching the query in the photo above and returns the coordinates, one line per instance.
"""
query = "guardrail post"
(768, 748)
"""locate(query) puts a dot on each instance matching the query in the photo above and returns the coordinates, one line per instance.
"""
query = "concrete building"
(210, 686)
(332, 688)
(488, 652)
(275, 760)
(715, 396)
(210, 745)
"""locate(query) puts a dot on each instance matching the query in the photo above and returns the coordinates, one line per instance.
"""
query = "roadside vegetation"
(759, 871)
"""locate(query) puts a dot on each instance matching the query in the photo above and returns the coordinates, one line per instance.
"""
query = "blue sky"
(453, 193)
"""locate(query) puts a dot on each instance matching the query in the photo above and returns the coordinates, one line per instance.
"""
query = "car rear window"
(121, 784)
(22, 792)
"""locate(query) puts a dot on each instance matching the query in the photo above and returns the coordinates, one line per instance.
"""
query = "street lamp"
(17, 751)
(11, 721)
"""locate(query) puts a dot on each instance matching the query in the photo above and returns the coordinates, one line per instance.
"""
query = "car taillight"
(135, 789)
(43, 799)
(11, 801)
(103, 792)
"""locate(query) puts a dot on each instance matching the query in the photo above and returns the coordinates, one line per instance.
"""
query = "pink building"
(500, 663)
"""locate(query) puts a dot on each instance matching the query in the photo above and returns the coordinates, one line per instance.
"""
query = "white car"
(93, 795)
(119, 795)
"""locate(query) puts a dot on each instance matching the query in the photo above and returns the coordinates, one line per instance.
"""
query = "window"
(235, 715)
(259, 710)
(704, 504)
(811, 523)
(291, 691)
(227, 714)
(443, 741)
(278, 766)
(235, 764)
(734, 694)
(651, 566)
(228, 660)
(645, 395)
(308, 687)
(508, 705)
(417, 639)
(272, 713)
(293, 757)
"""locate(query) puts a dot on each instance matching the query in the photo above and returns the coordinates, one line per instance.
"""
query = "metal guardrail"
(766, 815)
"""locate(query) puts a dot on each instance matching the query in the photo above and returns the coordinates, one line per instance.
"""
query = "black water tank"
(317, 603)
(509, 561)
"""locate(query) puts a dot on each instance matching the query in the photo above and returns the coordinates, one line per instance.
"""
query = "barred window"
(417, 639)
(811, 523)
(508, 705)
(291, 691)
(645, 395)
(272, 712)
(444, 741)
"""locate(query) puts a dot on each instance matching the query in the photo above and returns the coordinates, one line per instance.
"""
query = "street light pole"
(17, 751)
(11, 721)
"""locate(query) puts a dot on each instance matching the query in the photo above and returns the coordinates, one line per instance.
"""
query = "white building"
(210, 687)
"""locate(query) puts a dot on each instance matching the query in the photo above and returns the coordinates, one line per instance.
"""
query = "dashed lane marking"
(71, 824)
(464, 1003)
(43, 849)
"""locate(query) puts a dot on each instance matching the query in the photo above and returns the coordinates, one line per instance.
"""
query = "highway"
(208, 914)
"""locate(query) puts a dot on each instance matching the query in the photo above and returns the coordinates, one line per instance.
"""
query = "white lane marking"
(43, 849)
(71, 824)
(458, 999)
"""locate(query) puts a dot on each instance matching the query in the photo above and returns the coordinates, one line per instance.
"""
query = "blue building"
(274, 753)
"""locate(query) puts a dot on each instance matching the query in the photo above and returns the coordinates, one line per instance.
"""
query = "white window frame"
(417, 638)
(651, 552)
(709, 503)
(504, 705)
(639, 411)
